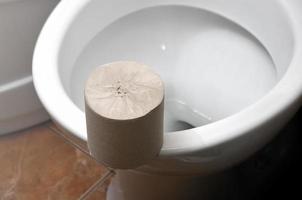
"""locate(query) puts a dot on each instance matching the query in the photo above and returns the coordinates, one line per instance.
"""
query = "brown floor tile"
(73, 140)
(38, 164)
(100, 192)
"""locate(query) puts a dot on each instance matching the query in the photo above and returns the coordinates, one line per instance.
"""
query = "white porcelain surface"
(209, 64)
(20, 24)
(232, 70)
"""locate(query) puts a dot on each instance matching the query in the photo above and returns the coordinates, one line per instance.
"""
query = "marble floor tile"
(73, 140)
(39, 164)
(99, 190)
(99, 194)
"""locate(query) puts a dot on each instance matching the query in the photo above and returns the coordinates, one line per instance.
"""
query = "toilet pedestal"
(132, 185)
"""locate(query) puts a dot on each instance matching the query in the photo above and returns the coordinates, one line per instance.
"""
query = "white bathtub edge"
(24, 108)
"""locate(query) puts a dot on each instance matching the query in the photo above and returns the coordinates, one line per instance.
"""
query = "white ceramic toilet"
(232, 70)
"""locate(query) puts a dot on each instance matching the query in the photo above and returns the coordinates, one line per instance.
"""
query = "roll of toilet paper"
(124, 106)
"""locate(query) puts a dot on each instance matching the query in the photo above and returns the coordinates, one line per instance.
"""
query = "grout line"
(68, 140)
(74, 144)
(97, 185)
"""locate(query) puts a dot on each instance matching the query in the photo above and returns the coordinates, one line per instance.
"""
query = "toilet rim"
(288, 90)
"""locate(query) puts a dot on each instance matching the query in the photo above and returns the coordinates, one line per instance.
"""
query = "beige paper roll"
(124, 114)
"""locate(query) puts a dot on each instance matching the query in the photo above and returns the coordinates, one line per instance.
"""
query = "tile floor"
(38, 163)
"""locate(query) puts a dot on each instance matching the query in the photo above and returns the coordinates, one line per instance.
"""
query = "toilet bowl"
(232, 71)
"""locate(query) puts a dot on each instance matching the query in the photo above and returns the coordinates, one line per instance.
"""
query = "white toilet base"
(131, 185)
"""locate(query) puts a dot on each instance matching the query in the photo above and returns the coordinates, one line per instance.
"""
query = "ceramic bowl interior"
(212, 66)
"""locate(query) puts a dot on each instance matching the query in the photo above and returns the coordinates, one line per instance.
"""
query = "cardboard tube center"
(124, 114)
